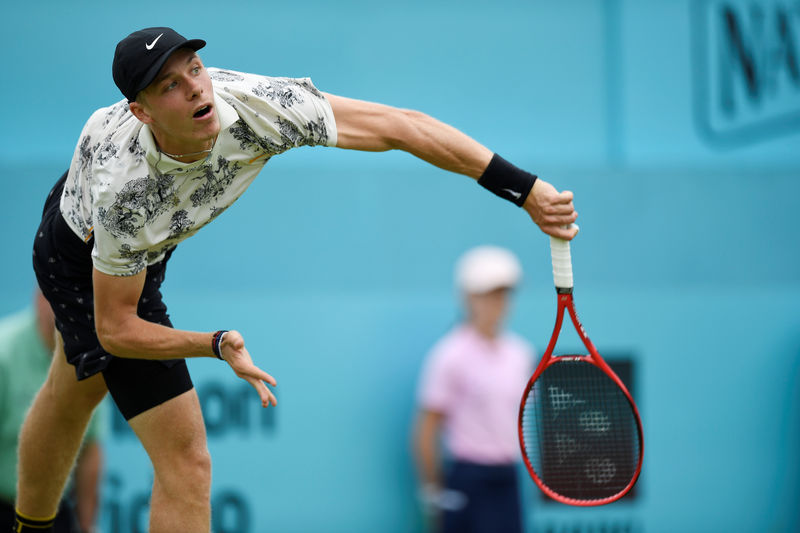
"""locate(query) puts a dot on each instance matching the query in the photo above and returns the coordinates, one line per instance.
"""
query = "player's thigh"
(173, 431)
(159, 401)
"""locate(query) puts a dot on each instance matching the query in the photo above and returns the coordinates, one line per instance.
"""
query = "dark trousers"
(492, 499)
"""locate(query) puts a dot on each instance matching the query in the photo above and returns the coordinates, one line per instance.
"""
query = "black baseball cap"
(140, 56)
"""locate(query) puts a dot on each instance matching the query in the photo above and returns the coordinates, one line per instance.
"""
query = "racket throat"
(563, 301)
(566, 305)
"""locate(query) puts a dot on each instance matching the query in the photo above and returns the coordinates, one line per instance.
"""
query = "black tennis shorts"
(63, 265)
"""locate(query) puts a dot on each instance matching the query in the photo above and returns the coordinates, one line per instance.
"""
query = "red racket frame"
(565, 301)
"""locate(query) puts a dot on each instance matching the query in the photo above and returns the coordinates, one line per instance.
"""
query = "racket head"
(580, 431)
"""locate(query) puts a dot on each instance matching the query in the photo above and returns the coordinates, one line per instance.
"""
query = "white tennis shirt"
(477, 384)
(138, 202)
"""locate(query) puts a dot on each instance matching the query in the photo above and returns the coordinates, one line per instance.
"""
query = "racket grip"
(562, 263)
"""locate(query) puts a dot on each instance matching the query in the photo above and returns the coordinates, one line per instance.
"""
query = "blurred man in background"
(26, 347)
(469, 394)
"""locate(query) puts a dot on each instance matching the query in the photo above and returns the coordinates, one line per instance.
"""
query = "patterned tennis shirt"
(138, 203)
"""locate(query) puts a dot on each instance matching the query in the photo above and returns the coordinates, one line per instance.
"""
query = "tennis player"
(147, 173)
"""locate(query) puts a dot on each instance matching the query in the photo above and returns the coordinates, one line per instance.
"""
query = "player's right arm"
(123, 333)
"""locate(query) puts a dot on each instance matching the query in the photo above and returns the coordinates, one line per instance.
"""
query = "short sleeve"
(76, 198)
(282, 113)
(437, 386)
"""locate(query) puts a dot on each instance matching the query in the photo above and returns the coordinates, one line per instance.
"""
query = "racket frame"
(566, 302)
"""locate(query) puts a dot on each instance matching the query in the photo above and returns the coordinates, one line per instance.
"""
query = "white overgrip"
(562, 262)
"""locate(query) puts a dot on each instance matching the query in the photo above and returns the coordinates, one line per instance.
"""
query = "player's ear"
(139, 110)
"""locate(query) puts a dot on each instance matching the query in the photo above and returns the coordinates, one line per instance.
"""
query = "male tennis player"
(147, 173)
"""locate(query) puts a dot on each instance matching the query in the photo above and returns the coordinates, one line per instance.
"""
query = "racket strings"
(579, 431)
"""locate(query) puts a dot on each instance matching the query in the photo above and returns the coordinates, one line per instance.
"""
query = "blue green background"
(336, 266)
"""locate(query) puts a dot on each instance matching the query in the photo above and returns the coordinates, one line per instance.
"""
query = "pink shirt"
(477, 384)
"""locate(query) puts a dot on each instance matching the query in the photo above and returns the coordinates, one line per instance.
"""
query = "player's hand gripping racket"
(579, 429)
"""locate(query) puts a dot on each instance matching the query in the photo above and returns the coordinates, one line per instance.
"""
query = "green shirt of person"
(26, 344)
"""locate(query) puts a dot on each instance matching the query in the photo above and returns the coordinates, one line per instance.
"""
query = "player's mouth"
(204, 112)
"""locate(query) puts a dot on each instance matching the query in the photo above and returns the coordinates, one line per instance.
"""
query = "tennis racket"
(579, 429)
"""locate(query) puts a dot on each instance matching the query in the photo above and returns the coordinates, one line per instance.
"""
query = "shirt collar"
(227, 113)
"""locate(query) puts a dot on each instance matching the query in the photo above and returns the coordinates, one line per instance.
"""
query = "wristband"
(507, 181)
(216, 342)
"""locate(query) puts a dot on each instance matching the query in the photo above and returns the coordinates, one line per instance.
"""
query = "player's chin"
(205, 130)
(204, 136)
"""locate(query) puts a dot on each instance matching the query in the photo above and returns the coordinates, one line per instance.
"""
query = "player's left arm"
(376, 127)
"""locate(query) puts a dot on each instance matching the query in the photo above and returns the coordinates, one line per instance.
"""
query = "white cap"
(485, 268)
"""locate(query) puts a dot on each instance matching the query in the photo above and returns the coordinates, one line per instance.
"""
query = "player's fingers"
(263, 391)
(558, 220)
(561, 232)
(564, 197)
(559, 209)
(252, 372)
(267, 397)
(568, 219)
(263, 376)
(271, 399)
(573, 231)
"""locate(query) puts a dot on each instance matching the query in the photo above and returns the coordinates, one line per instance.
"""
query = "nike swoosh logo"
(151, 45)
(515, 194)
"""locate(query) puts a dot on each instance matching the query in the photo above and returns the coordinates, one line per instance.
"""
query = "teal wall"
(337, 266)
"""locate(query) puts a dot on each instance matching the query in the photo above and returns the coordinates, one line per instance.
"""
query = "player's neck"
(183, 152)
